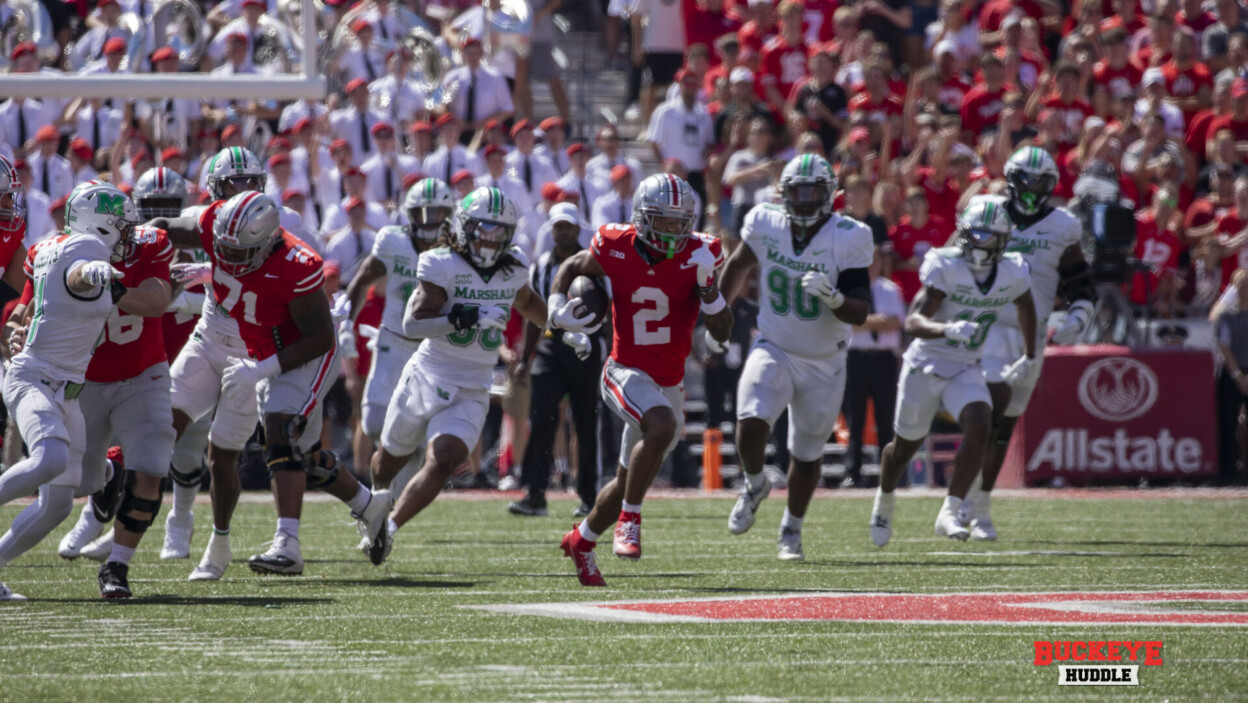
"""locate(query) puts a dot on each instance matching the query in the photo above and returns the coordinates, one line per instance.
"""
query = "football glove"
(714, 346)
(960, 330)
(346, 340)
(191, 275)
(819, 285)
(579, 341)
(705, 261)
(99, 273)
(244, 375)
(493, 317)
(1018, 370)
(1076, 320)
(563, 314)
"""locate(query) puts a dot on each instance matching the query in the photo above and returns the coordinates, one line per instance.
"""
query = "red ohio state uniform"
(260, 299)
(654, 307)
(133, 344)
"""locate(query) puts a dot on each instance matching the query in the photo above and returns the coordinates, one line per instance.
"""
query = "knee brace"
(281, 457)
(322, 466)
(105, 502)
(132, 503)
(1004, 429)
(190, 479)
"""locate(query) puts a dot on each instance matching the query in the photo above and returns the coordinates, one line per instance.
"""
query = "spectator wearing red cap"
(577, 180)
(554, 134)
(530, 168)
(354, 185)
(81, 159)
(328, 188)
(420, 140)
(682, 129)
(497, 175)
(355, 122)
(245, 18)
(52, 173)
(93, 50)
(403, 96)
(300, 109)
(365, 59)
(598, 168)
(478, 92)
(463, 183)
(386, 168)
(352, 242)
(188, 111)
(450, 156)
(237, 63)
(616, 205)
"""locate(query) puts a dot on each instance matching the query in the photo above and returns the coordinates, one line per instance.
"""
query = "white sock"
(120, 554)
(218, 533)
(884, 503)
(791, 523)
(631, 508)
(88, 513)
(952, 504)
(391, 525)
(586, 533)
(360, 501)
(756, 480)
(289, 525)
(983, 504)
(183, 499)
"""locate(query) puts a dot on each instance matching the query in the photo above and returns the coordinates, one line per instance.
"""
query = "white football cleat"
(741, 519)
(947, 525)
(982, 529)
(178, 531)
(882, 518)
(284, 557)
(215, 561)
(100, 548)
(790, 544)
(7, 594)
(85, 530)
(370, 521)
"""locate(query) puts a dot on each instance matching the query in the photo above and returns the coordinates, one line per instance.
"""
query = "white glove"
(563, 314)
(493, 317)
(341, 309)
(705, 261)
(1018, 370)
(579, 341)
(1076, 320)
(960, 330)
(191, 275)
(819, 285)
(244, 375)
(188, 303)
(99, 273)
(346, 340)
(714, 346)
(370, 333)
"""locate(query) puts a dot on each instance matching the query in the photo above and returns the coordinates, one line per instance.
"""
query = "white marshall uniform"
(393, 247)
(798, 360)
(43, 381)
(941, 371)
(1041, 247)
(445, 385)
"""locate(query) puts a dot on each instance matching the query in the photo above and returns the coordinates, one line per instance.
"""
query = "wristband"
(116, 290)
(556, 301)
(715, 305)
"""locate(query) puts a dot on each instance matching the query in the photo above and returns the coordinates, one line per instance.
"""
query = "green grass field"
(349, 631)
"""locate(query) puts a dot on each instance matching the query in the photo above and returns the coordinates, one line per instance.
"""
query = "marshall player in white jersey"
(1047, 239)
(465, 296)
(71, 299)
(813, 284)
(965, 290)
(396, 251)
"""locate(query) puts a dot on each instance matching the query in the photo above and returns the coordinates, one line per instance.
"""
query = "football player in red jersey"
(271, 283)
(662, 275)
(12, 226)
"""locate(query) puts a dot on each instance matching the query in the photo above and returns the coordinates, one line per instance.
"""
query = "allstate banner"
(1112, 412)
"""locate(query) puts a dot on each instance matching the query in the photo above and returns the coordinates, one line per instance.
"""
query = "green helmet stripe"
(428, 189)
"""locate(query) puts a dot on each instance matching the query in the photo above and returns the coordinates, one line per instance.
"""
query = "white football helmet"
(1030, 177)
(984, 231)
(103, 211)
(807, 186)
(663, 213)
(159, 192)
(12, 199)
(244, 232)
(234, 170)
(428, 205)
(483, 226)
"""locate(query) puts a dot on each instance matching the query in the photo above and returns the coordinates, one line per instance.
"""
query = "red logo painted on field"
(1198, 608)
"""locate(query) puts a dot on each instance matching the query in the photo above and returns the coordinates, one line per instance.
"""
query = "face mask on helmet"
(982, 248)
(487, 241)
(153, 206)
(239, 261)
(805, 201)
(426, 224)
(1030, 191)
(12, 209)
(229, 186)
(666, 234)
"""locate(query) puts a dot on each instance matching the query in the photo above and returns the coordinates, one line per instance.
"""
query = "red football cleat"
(581, 552)
(628, 536)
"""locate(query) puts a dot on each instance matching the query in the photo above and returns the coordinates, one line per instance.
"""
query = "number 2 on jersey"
(643, 334)
(235, 287)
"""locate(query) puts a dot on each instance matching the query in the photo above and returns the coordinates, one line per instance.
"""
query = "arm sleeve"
(931, 273)
(431, 268)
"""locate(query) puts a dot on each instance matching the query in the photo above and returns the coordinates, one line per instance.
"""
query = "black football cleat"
(113, 580)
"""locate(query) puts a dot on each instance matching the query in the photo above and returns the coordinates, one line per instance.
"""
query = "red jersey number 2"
(652, 309)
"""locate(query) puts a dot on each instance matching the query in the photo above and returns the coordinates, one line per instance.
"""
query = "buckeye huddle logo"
(1100, 667)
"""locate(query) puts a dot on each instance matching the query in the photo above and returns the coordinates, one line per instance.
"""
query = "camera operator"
(1108, 222)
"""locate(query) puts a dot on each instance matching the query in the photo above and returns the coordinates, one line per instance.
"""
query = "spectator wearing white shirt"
(365, 59)
(682, 130)
(498, 176)
(81, 159)
(20, 119)
(51, 173)
(577, 181)
(247, 24)
(420, 141)
(152, 113)
(478, 92)
(397, 92)
(386, 168)
(53, 226)
(95, 123)
(1156, 100)
(336, 216)
(94, 44)
(660, 44)
(328, 183)
(299, 109)
(37, 205)
(462, 183)
(113, 53)
(552, 146)
(599, 167)
(238, 63)
(297, 199)
(282, 177)
(349, 245)
(354, 122)
(525, 164)
(450, 156)
(617, 205)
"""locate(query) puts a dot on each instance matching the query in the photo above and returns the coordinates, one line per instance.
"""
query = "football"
(593, 297)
